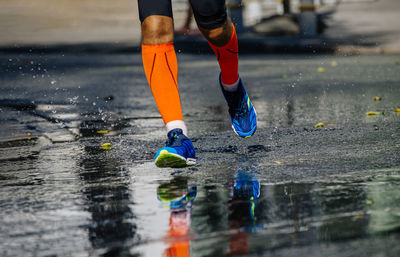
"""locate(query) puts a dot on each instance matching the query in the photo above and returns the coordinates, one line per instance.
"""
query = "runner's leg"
(212, 20)
(159, 60)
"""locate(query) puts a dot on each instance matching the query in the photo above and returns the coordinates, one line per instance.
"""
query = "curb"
(79, 48)
(248, 44)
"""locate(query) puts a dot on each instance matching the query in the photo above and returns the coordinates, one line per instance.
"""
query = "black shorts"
(209, 14)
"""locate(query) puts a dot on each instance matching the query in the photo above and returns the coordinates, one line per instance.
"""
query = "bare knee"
(157, 29)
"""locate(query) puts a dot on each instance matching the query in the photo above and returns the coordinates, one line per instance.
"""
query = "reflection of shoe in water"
(177, 194)
(247, 190)
(246, 187)
(178, 152)
(241, 110)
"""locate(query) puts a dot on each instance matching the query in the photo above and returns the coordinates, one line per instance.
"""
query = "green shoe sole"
(167, 159)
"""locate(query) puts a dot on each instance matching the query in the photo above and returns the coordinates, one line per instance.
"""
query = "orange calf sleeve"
(227, 56)
(161, 68)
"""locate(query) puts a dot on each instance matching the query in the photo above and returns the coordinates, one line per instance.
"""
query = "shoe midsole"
(187, 160)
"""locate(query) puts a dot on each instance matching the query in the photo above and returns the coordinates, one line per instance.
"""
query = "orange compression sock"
(227, 56)
(161, 68)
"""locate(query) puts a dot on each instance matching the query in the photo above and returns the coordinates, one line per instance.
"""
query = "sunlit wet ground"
(291, 190)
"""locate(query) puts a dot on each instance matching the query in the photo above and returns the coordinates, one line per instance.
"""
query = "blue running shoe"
(241, 110)
(179, 151)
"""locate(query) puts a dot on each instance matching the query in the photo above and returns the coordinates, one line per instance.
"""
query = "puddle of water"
(96, 128)
(79, 198)
(245, 217)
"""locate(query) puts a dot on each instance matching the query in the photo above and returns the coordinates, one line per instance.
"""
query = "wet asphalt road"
(291, 190)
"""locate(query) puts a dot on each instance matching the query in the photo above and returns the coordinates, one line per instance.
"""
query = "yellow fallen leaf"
(106, 146)
(319, 125)
(321, 69)
(377, 98)
(28, 134)
(277, 162)
(397, 110)
(284, 76)
(369, 202)
(102, 131)
(373, 113)
(333, 63)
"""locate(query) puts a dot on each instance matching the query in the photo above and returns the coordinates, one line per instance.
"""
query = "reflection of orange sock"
(161, 68)
(178, 234)
(227, 56)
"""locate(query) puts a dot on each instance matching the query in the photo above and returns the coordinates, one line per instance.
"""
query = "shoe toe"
(246, 126)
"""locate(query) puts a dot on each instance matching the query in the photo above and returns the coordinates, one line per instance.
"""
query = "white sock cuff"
(232, 87)
(176, 124)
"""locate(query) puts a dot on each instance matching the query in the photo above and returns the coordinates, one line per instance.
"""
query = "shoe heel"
(190, 161)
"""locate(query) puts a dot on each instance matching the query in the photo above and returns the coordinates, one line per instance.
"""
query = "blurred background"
(368, 23)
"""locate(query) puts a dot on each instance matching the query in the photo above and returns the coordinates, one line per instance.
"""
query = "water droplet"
(73, 100)
(53, 82)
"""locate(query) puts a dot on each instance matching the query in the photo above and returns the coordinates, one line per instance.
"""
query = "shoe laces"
(177, 139)
(241, 111)
(174, 137)
(170, 142)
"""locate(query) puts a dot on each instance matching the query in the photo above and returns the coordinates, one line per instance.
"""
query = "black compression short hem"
(212, 22)
(154, 7)
(209, 14)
